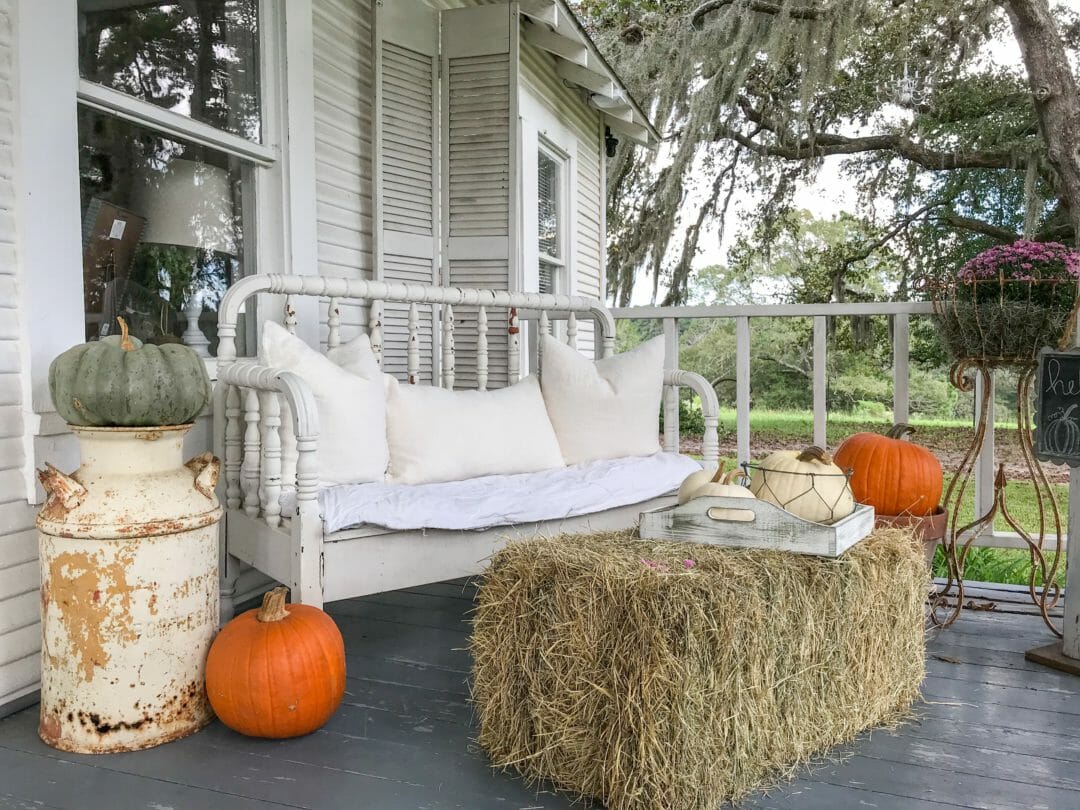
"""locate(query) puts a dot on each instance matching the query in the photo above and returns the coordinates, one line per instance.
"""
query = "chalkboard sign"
(1057, 407)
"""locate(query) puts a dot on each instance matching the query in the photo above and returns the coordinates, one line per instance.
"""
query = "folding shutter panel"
(479, 87)
(407, 154)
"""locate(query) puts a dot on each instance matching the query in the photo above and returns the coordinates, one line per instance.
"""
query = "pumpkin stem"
(273, 605)
(814, 453)
(719, 477)
(900, 430)
(125, 338)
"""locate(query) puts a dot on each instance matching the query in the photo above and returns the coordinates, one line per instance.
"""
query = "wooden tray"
(753, 523)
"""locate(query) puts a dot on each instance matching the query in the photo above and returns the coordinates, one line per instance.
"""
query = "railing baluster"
(513, 357)
(448, 347)
(271, 458)
(985, 468)
(901, 352)
(671, 392)
(333, 324)
(413, 352)
(820, 366)
(249, 470)
(233, 492)
(375, 315)
(742, 388)
(571, 330)
(544, 331)
(481, 349)
(290, 315)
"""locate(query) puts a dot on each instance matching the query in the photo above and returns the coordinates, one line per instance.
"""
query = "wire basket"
(821, 497)
(1001, 321)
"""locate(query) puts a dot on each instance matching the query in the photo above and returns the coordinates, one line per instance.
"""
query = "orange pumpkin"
(894, 476)
(276, 671)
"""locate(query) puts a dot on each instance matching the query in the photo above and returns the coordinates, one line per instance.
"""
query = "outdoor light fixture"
(611, 143)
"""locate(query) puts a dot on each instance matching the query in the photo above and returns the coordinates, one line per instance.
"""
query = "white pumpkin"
(805, 483)
(706, 484)
(695, 481)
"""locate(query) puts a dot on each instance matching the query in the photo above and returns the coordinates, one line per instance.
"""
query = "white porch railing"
(900, 313)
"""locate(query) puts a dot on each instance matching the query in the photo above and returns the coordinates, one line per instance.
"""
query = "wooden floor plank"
(1015, 740)
(62, 783)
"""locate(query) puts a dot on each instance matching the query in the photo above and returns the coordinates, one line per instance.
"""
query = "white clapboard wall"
(19, 628)
(407, 170)
(479, 91)
(344, 113)
(539, 77)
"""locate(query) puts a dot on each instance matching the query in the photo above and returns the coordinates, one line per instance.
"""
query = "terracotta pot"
(932, 528)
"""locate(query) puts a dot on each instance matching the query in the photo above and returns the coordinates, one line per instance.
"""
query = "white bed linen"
(506, 500)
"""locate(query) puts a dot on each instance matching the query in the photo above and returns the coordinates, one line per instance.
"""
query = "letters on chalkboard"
(1057, 407)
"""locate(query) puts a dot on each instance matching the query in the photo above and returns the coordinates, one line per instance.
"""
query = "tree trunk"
(1057, 97)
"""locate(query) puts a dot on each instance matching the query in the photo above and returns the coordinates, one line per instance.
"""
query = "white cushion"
(349, 392)
(505, 500)
(437, 434)
(606, 408)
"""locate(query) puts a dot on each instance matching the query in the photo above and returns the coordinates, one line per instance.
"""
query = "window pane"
(549, 278)
(198, 58)
(549, 194)
(162, 229)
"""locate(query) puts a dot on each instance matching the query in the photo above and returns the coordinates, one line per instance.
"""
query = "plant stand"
(947, 602)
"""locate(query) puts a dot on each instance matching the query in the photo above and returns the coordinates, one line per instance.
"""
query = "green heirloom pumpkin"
(119, 382)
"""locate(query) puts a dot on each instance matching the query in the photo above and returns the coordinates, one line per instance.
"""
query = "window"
(551, 220)
(198, 59)
(165, 195)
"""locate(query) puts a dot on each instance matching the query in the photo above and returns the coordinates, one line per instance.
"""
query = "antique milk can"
(129, 591)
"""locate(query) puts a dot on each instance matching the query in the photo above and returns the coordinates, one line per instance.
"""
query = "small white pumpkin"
(695, 481)
(805, 483)
(706, 484)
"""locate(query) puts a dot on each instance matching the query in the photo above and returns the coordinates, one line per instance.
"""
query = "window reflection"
(162, 231)
(196, 57)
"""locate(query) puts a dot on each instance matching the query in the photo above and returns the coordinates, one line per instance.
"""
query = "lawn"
(771, 430)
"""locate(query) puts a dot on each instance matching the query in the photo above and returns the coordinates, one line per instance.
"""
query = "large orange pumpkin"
(894, 476)
(276, 671)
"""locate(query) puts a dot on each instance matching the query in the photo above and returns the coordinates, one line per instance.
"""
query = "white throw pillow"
(349, 392)
(606, 408)
(440, 435)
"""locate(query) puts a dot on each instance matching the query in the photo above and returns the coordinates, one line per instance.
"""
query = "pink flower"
(689, 563)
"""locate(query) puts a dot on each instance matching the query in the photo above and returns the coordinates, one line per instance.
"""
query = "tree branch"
(697, 16)
(1003, 235)
(824, 144)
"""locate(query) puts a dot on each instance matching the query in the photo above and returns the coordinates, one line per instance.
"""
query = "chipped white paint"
(129, 591)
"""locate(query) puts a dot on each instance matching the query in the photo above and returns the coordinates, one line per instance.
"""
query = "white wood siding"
(569, 105)
(479, 52)
(344, 112)
(19, 629)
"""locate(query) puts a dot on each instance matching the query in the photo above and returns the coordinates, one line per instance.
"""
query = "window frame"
(541, 129)
(562, 201)
(261, 183)
(280, 227)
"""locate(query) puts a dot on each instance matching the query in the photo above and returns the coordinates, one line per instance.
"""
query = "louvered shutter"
(479, 81)
(407, 155)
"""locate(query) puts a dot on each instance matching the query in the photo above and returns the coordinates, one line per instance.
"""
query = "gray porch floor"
(994, 732)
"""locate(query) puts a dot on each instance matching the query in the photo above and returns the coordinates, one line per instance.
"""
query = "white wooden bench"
(294, 548)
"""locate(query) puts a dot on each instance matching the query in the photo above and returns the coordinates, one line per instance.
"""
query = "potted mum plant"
(1008, 302)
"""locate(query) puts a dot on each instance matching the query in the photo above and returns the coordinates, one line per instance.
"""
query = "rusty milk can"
(129, 591)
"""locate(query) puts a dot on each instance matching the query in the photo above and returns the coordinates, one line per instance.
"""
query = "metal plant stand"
(948, 601)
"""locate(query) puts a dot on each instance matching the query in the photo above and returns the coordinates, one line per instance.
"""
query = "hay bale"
(687, 687)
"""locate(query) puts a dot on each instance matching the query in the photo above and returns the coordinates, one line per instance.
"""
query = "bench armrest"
(252, 437)
(710, 411)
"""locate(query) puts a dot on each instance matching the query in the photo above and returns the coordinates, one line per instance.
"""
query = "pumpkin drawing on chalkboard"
(1063, 433)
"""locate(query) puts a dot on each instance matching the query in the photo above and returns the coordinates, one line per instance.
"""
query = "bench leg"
(307, 560)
